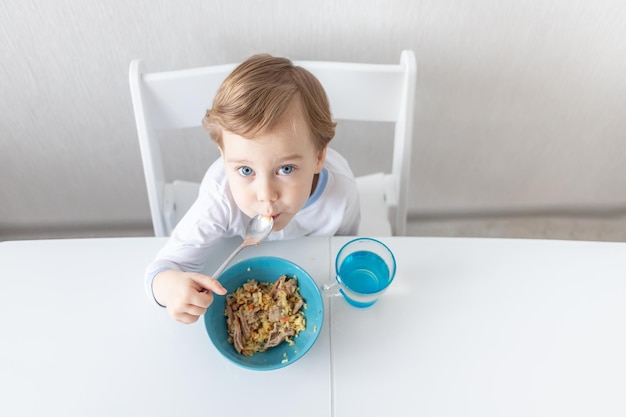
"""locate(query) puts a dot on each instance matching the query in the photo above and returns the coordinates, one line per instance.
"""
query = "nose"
(266, 190)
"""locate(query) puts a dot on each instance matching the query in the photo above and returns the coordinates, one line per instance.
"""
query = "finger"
(209, 283)
(185, 318)
(195, 310)
(201, 299)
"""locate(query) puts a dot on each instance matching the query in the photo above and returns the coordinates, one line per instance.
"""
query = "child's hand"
(183, 293)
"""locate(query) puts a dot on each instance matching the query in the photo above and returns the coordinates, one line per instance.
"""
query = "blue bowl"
(266, 269)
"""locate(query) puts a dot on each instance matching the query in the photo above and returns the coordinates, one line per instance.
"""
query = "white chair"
(362, 92)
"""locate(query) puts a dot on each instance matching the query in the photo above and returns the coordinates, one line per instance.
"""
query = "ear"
(321, 157)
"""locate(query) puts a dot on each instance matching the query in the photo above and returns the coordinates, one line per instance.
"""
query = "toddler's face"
(273, 173)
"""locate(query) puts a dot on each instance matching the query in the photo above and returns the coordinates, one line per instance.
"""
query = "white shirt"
(332, 209)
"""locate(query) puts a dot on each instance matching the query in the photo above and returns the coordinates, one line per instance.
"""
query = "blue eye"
(286, 170)
(245, 171)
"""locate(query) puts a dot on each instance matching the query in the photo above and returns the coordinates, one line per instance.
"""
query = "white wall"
(521, 104)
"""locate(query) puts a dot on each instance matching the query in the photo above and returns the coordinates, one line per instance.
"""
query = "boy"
(271, 121)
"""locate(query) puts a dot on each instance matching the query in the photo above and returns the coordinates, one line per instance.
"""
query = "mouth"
(273, 216)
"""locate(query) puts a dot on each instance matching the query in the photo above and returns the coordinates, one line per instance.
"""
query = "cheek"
(239, 190)
(298, 193)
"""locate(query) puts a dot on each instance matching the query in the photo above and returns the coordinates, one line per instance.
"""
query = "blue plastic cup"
(365, 268)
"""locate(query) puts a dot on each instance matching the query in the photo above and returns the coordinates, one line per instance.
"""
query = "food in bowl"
(262, 315)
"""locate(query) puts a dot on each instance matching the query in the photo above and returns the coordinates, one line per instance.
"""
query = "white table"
(487, 327)
(470, 327)
(80, 337)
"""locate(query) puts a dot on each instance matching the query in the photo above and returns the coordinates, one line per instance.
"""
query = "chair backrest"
(361, 92)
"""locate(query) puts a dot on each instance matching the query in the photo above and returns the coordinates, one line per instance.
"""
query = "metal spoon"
(257, 230)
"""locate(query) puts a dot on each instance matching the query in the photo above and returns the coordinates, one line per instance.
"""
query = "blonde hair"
(260, 91)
